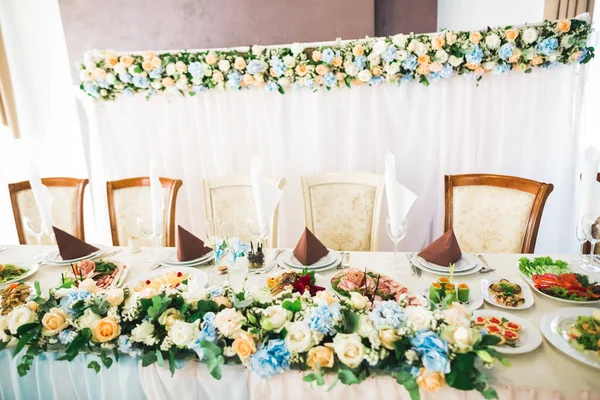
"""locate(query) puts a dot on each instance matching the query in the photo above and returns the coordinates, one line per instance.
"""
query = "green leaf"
(95, 366)
(205, 306)
(38, 291)
(23, 340)
(310, 377)
(489, 393)
(100, 308)
(149, 358)
(348, 81)
(211, 347)
(294, 306)
(423, 80)
(82, 339)
(252, 319)
(335, 381)
(159, 359)
(350, 321)
(347, 377)
(116, 353)
(27, 327)
(3, 345)
(499, 356)
(159, 305)
(489, 340)
(405, 379)
(172, 352)
(280, 90)
(464, 362)
(106, 360)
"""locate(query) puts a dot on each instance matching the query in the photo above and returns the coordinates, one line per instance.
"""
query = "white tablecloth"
(544, 373)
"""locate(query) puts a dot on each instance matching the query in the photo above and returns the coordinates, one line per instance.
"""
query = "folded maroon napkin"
(444, 251)
(71, 247)
(309, 249)
(189, 247)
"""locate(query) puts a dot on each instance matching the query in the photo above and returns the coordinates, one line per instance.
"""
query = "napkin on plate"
(399, 198)
(443, 251)
(309, 249)
(266, 197)
(71, 247)
(42, 198)
(189, 247)
(590, 187)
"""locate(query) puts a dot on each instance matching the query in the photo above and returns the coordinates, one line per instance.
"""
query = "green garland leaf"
(405, 379)
(293, 306)
(95, 366)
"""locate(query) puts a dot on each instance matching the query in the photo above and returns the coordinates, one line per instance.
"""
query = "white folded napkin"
(156, 193)
(590, 187)
(266, 197)
(42, 197)
(399, 198)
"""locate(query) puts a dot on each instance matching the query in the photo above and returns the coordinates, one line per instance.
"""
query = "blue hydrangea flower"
(505, 51)
(125, 77)
(329, 79)
(92, 89)
(296, 86)
(432, 350)
(234, 80)
(549, 65)
(272, 87)
(102, 83)
(414, 371)
(390, 53)
(389, 314)
(475, 56)
(433, 77)
(406, 78)
(128, 92)
(376, 80)
(270, 360)
(255, 66)
(156, 73)
(66, 336)
(327, 56)
(309, 82)
(208, 332)
(501, 69)
(125, 346)
(199, 89)
(447, 71)
(215, 291)
(67, 302)
(359, 62)
(411, 62)
(277, 65)
(141, 81)
(196, 69)
(323, 318)
(547, 46)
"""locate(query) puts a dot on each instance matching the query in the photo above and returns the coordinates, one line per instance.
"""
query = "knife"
(412, 266)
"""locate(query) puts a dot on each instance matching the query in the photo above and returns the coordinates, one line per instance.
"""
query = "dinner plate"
(526, 292)
(293, 262)
(172, 261)
(473, 270)
(555, 326)
(465, 263)
(199, 276)
(31, 269)
(472, 305)
(336, 259)
(530, 338)
(55, 258)
(581, 303)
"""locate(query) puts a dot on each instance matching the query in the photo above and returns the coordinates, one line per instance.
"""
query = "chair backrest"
(587, 245)
(343, 209)
(67, 206)
(130, 199)
(231, 197)
(495, 213)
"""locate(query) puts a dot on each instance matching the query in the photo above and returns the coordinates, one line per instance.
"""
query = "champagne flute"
(213, 237)
(34, 228)
(152, 231)
(591, 227)
(581, 238)
(396, 232)
(229, 232)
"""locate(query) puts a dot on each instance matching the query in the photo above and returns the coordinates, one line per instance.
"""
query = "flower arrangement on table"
(395, 59)
(320, 334)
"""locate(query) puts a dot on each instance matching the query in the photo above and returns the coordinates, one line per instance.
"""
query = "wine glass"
(581, 238)
(34, 228)
(591, 227)
(396, 232)
(229, 232)
(151, 229)
(214, 237)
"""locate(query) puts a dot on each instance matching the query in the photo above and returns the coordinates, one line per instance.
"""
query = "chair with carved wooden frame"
(587, 245)
(129, 199)
(231, 197)
(67, 206)
(343, 209)
(495, 213)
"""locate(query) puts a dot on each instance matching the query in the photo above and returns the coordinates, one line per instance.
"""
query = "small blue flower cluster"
(505, 51)
(208, 333)
(432, 350)
(388, 314)
(270, 360)
(323, 318)
(67, 302)
(390, 54)
(234, 80)
(475, 56)
(277, 65)
(411, 62)
(547, 46)
(255, 66)
(327, 56)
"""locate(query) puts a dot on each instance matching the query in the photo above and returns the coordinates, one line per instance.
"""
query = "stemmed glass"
(229, 232)
(34, 228)
(396, 232)
(152, 230)
(581, 238)
(591, 227)
(260, 234)
(214, 237)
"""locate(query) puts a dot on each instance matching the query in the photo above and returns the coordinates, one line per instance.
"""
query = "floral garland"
(372, 61)
(351, 339)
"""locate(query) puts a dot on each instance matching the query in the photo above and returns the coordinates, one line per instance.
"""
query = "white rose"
(262, 296)
(349, 349)
(457, 315)
(182, 83)
(419, 318)
(299, 337)
(18, 317)
(388, 336)
(274, 318)
(374, 59)
(529, 53)
(283, 82)
(412, 45)
(400, 40)
(3, 327)
(529, 35)
(257, 50)
(379, 47)
(365, 326)
(207, 69)
(224, 65)
(89, 285)
(192, 297)
(350, 69)
(492, 41)
(87, 319)
(120, 69)
(488, 66)
(289, 61)
(420, 49)
(84, 75)
(88, 57)
(171, 70)
(401, 55)
(115, 296)
(462, 337)
(229, 322)
(110, 78)
(143, 332)
(365, 75)
(455, 61)
(441, 56)
(90, 66)
(392, 69)
(552, 57)
(183, 333)
(358, 301)
(131, 70)
(169, 317)
(297, 48)
(156, 84)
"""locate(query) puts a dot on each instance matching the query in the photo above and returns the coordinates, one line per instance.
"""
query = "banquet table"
(545, 373)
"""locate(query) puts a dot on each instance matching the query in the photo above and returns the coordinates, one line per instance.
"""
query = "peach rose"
(98, 73)
(180, 66)
(272, 72)
(337, 61)
(515, 56)
(222, 301)
(475, 37)
(316, 55)
(126, 61)
(451, 38)
(217, 76)
(247, 80)
(575, 56)
(471, 66)
(357, 82)
(110, 58)
(239, 63)
(376, 71)
(105, 330)
(423, 69)
(430, 381)
(211, 59)
(437, 42)
(564, 25)
(511, 34)
(147, 65)
(424, 59)
(322, 70)
(435, 67)
(339, 76)
(327, 296)
(168, 82)
(149, 55)
(244, 345)
(115, 296)
(358, 50)
(537, 60)
(479, 71)
(301, 69)
(33, 306)
(320, 357)
(54, 321)
(156, 62)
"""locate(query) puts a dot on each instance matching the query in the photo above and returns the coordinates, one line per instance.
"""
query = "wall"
(477, 14)
(405, 16)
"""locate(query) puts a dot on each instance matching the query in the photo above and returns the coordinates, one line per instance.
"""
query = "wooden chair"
(343, 209)
(587, 245)
(495, 213)
(129, 199)
(231, 197)
(67, 205)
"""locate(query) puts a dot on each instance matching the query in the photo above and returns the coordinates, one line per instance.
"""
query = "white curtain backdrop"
(517, 124)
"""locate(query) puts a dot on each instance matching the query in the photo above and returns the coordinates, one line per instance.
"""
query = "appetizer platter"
(575, 331)
(443, 293)
(554, 279)
(296, 282)
(509, 294)
(104, 273)
(517, 335)
(10, 273)
(14, 295)
(173, 277)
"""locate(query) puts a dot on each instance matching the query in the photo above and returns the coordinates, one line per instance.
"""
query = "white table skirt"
(544, 373)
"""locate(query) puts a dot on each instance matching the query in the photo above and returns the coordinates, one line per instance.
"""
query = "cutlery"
(346, 264)
(412, 266)
(109, 253)
(416, 270)
(155, 266)
(274, 264)
(3, 248)
(486, 267)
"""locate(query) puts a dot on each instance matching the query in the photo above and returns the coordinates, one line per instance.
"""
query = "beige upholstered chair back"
(130, 199)
(495, 213)
(343, 209)
(67, 206)
(231, 197)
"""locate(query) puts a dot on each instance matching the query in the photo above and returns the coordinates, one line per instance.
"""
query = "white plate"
(55, 258)
(530, 336)
(172, 261)
(31, 269)
(325, 261)
(554, 323)
(465, 263)
(526, 292)
(581, 303)
(200, 277)
(473, 270)
(472, 305)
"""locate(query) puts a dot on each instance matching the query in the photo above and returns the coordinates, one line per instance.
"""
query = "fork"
(486, 267)
(274, 264)
(415, 270)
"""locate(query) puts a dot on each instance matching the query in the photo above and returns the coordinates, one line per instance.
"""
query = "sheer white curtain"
(515, 124)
